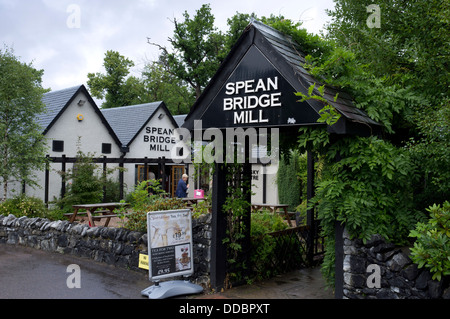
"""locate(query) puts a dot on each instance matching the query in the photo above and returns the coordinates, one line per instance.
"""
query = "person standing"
(182, 187)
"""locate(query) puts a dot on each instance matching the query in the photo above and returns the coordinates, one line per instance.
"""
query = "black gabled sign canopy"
(256, 94)
(255, 86)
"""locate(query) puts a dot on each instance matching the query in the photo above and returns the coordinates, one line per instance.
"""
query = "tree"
(374, 188)
(160, 85)
(197, 47)
(114, 86)
(236, 25)
(22, 149)
(406, 60)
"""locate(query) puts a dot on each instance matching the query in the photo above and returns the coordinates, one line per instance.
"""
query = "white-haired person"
(182, 187)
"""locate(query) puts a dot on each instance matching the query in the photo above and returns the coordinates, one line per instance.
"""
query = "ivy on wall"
(366, 184)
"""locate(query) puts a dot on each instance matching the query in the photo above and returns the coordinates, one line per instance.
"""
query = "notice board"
(170, 245)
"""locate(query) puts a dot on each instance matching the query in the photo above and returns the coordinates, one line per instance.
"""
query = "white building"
(139, 136)
(72, 122)
(146, 131)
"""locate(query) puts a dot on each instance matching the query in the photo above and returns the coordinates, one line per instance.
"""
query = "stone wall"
(115, 246)
(399, 277)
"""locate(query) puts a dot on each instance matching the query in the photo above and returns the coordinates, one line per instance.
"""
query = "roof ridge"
(66, 89)
(131, 106)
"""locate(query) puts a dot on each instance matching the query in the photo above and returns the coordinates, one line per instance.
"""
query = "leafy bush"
(367, 184)
(23, 205)
(265, 222)
(202, 208)
(432, 247)
(87, 184)
(291, 179)
(147, 197)
(137, 221)
(263, 245)
(84, 186)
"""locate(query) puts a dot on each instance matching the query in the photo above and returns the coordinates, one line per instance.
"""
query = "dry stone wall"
(399, 277)
(114, 246)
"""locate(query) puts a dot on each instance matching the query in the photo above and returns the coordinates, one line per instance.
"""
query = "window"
(58, 146)
(106, 148)
(152, 171)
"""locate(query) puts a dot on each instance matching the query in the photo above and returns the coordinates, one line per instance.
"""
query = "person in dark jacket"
(182, 187)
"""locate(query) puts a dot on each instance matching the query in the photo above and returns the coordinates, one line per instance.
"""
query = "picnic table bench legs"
(89, 214)
(107, 218)
(287, 216)
(92, 218)
(107, 214)
(74, 215)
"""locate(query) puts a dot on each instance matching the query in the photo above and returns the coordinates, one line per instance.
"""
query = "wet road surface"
(305, 283)
(31, 273)
(35, 274)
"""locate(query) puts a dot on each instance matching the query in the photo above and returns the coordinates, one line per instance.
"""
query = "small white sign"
(170, 243)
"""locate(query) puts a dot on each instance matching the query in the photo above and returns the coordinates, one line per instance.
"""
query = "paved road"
(31, 273)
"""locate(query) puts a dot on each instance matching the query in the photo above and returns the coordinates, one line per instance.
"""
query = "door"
(177, 173)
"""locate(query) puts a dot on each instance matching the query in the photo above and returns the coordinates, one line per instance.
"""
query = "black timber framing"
(161, 161)
(218, 227)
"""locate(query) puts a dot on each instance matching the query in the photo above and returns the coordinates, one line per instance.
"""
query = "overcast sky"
(68, 38)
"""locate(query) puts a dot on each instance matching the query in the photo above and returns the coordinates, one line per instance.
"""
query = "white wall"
(258, 172)
(86, 135)
(154, 140)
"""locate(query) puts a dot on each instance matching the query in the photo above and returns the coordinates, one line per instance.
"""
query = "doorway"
(176, 174)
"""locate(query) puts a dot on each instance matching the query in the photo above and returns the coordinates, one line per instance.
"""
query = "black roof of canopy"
(287, 59)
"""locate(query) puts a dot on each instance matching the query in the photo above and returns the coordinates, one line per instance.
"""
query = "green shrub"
(137, 221)
(202, 207)
(85, 183)
(263, 245)
(147, 197)
(23, 205)
(367, 184)
(432, 247)
(291, 179)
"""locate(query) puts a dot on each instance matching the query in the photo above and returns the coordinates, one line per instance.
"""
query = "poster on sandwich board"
(170, 244)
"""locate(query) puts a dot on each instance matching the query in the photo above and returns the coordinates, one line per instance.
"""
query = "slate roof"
(128, 121)
(292, 53)
(287, 58)
(123, 123)
(179, 119)
(55, 102)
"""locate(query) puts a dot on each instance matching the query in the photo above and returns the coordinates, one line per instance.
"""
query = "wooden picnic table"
(274, 208)
(107, 211)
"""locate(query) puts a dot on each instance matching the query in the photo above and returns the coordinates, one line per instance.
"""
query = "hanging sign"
(256, 94)
(170, 243)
